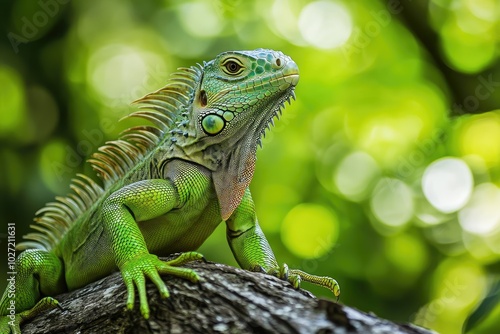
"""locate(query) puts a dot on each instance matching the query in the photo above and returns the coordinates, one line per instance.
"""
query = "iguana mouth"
(290, 80)
(294, 79)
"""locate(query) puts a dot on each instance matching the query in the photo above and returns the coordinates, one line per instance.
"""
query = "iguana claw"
(296, 276)
(134, 272)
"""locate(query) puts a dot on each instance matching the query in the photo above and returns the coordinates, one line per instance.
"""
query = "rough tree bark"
(228, 300)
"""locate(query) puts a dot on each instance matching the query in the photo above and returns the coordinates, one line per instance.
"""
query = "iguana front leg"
(38, 273)
(252, 251)
(122, 210)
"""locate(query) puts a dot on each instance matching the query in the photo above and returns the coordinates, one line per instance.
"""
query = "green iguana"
(165, 189)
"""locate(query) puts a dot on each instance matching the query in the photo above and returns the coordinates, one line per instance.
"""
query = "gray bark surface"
(227, 300)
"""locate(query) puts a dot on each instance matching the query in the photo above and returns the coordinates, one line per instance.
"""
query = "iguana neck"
(231, 159)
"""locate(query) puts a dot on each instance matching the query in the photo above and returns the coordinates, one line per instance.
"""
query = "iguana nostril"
(278, 62)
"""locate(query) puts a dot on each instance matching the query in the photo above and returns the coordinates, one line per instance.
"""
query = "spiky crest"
(116, 158)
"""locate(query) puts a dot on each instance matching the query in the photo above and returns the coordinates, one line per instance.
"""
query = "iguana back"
(119, 162)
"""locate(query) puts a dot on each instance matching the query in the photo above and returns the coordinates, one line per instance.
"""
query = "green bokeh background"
(384, 173)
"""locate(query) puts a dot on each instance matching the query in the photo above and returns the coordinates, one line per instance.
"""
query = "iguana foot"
(296, 276)
(135, 270)
(11, 324)
(185, 258)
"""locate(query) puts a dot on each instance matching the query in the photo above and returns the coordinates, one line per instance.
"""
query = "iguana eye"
(232, 66)
(213, 124)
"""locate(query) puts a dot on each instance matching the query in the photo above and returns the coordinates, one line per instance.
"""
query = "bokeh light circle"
(447, 184)
(355, 175)
(392, 202)
(480, 135)
(482, 214)
(310, 230)
(325, 24)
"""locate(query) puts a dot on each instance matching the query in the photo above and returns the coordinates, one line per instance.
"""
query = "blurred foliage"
(384, 174)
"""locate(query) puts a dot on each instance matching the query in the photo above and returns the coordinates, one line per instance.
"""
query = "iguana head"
(221, 110)
(240, 93)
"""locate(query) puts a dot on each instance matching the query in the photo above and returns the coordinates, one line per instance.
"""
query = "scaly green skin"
(166, 188)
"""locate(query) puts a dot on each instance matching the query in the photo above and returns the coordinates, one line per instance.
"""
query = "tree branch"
(227, 300)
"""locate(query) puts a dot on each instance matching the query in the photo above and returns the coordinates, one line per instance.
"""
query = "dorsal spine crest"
(166, 109)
